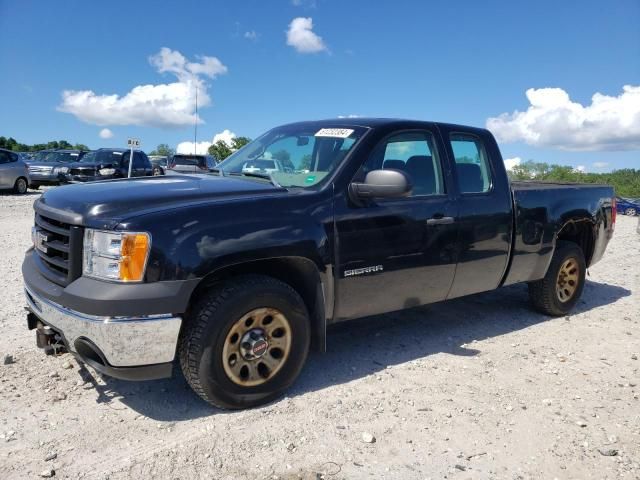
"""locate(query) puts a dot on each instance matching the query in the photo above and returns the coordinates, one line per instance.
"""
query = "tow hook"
(49, 340)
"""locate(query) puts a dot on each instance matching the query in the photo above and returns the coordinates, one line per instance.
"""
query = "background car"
(14, 173)
(628, 206)
(106, 164)
(159, 163)
(44, 168)
(184, 163)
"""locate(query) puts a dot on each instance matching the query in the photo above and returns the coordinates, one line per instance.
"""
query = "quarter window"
(472, 165)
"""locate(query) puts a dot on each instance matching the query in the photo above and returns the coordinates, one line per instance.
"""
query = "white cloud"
(201, 148)
(553, 120)
(580, 168)
(105, 133)
(251, 35)
(302, 37)
(351, 115)
(169, 105)
(601, 164)
(510, 163)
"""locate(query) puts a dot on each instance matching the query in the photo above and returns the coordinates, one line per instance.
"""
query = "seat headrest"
(470, 177)
(394, 164)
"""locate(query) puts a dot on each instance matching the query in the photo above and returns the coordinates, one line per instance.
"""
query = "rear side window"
(472, 165)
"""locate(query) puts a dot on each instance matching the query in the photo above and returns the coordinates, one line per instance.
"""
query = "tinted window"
(103, 156)
(4, 157)
(413, 153)
(189, 160)
(138, 160)
(472, 165)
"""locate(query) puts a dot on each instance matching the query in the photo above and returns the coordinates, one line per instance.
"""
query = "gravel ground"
(480, 387)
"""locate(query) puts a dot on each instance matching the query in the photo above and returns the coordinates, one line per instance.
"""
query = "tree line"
(15, 146)
(626, 181)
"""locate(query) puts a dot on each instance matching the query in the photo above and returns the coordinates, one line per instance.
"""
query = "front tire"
(245, 342)
(560, 289)
(21, 185)
(630, 212)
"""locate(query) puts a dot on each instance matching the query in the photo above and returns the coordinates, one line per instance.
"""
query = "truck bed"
(539, 215)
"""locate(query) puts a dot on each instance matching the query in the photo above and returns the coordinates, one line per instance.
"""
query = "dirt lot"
(480, 387)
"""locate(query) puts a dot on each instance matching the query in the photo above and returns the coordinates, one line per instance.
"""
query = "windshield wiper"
(266, 176)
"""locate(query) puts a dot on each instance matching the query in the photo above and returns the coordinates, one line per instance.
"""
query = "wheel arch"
(581, 231)
(300, 273)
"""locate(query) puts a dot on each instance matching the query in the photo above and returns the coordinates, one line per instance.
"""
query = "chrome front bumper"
(123, 341)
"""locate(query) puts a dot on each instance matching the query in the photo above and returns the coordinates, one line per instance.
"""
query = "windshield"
(62, 157)
(298, 155)
(102, 156)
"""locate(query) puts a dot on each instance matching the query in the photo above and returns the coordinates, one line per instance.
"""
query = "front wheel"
(630, 211)
(558, 292)
(20, 186)
(245, 342)
(157, 171)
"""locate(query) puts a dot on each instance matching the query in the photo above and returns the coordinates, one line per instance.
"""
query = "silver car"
(14, 173)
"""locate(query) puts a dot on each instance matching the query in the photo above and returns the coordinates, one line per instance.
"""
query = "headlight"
(119, 256)
(62, 170)
(107, 171)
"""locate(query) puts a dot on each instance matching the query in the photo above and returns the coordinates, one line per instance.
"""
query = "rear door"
(139, 165)
(484, 210)
(399, 253)
(6, 175)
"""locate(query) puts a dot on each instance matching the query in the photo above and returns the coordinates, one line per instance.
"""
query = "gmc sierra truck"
(238, 273)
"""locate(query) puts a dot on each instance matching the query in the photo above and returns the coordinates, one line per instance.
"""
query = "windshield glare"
(102, 156)
(295, 155)
(62, 157)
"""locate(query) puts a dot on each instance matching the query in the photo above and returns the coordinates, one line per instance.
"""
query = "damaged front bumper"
(129, 348)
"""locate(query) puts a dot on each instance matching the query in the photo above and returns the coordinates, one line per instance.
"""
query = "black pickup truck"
(238, 272)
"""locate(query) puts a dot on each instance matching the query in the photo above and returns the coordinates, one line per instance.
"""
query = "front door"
(398, 253)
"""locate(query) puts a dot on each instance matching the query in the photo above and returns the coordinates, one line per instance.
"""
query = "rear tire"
(157, 171)
(630, 211)
(560, 289)
(21, 185)
(218, 344)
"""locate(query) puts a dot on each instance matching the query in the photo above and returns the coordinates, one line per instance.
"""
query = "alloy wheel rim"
(256, 347)
(567, 281)
(22, 186)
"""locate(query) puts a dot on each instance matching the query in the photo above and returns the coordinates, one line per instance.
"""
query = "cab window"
(472, 165)
(413, 153)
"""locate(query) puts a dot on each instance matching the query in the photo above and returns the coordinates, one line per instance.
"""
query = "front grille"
(40, 169)
(89, 172)
(61, 253)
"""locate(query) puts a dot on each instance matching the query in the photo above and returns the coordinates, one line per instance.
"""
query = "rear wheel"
(245, 342)
(157, 171)
(20, 186)
(559, 291)
(630, 211)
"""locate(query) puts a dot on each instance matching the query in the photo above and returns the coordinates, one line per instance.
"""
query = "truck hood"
(105, 204)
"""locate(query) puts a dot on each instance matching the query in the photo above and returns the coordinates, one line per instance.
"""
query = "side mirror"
(382, 184)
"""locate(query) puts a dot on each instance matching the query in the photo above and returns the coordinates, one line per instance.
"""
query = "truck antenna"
(195, 124)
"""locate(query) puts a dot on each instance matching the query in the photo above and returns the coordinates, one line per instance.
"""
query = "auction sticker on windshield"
(334, 132)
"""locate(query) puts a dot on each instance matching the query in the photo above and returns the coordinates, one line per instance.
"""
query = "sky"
(557, 82)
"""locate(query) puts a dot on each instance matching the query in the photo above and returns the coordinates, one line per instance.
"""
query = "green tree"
(220, 150)
(238, 142)
(163, 149)
(626, 182)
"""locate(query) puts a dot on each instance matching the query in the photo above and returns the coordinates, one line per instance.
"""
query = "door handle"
(440, 220)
